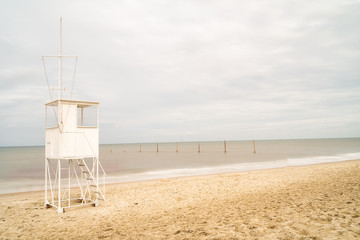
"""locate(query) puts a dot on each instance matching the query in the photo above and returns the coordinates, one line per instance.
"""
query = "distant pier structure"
(74, 175)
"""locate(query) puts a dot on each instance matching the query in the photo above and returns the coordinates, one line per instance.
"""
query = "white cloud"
(204, 70)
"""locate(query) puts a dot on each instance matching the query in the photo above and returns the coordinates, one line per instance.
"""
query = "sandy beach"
(308, 202)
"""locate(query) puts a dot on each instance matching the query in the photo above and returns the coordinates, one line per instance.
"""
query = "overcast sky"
(186, 70)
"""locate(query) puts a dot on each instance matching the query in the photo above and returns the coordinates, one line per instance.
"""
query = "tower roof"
(81, 103)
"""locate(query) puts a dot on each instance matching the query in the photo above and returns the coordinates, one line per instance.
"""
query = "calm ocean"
(22, 168)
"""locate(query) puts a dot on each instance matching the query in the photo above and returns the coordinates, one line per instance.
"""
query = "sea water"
(22, 168)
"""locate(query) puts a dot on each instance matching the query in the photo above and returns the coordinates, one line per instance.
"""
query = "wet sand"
(307, 202)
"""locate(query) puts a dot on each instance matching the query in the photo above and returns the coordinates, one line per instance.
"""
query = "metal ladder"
(91, 185)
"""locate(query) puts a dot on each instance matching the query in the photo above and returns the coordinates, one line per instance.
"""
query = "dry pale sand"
(310, 202)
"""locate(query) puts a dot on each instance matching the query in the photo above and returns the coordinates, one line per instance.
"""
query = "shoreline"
(189, 176)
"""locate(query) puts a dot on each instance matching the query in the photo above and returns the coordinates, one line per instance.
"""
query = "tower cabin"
(76, 133)
(74, 175)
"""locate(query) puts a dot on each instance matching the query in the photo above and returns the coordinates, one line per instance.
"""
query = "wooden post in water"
(254, 146)
(177, 147)
(140, 147)
(198, 147)
(157, 147)
(225, 146)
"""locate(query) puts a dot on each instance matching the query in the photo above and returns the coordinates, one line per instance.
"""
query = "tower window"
(51, 116)
(87, 115)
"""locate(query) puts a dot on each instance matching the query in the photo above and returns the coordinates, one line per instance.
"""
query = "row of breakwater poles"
(198, 147)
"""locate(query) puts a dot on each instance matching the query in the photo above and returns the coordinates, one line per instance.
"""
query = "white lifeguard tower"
(73, 174)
